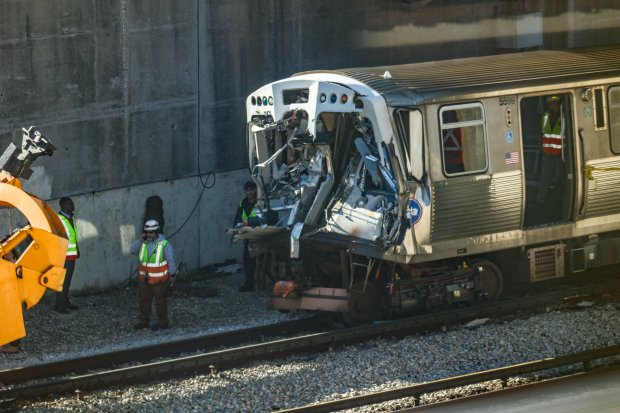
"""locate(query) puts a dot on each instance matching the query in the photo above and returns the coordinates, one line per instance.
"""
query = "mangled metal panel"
(322, 166)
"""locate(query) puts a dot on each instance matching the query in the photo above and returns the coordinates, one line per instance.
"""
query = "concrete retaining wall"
(109, 221)
(136, 91)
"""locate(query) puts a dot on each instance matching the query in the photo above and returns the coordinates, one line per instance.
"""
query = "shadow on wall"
(104, 240)
(109, 221)
(154, 209)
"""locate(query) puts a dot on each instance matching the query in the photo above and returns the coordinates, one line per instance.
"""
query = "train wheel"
(364, 307)
(491, 279)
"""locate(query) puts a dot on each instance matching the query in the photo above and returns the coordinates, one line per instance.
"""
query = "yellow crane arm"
(24, 279)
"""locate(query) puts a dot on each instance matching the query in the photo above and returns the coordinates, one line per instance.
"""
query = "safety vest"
(253, 214)
(72, 236)
(154, 265)
(552, 139)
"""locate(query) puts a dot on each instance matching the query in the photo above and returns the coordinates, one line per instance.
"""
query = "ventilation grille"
(602, 195)
(546, 262)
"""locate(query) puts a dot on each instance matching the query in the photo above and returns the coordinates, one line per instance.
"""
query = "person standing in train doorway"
(66, 215)
(552, 146)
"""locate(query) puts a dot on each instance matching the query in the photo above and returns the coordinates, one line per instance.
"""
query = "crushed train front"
(328, 165)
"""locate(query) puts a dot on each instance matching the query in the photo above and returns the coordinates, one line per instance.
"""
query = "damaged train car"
(396, 188)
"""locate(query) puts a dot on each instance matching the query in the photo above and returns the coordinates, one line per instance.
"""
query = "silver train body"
(406, 186)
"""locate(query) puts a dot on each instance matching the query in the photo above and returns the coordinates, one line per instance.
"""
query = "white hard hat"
(151, 225)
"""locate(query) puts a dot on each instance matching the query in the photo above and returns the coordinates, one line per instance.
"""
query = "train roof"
(457, 78)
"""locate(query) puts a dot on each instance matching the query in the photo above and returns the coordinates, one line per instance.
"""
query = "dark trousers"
(551, 173)
(146, 293)
(249, 265)
(62, 298)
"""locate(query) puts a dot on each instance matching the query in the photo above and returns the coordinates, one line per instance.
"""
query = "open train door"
(548, 140)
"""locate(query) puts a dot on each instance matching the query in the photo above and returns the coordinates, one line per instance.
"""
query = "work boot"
(140, 326)
(71, 306)
(61, 309)
(9, 348)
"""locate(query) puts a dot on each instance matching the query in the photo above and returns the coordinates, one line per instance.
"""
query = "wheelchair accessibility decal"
(414, 211)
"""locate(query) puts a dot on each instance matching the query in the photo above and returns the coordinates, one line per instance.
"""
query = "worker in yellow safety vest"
(248, 213)
(552, 145)
(156, 272)
(67, 217)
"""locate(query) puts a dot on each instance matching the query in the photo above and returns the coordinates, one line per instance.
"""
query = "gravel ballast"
(104, 322)
(363, 368)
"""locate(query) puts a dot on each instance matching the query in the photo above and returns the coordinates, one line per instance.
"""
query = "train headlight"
(271, 100)
(344, 99)
(259, 101)
(323, 98)
(333, 98)
(253, 100)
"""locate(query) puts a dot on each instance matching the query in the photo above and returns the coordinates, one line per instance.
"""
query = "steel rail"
(313, 343)
(417, 390)
(167, 349)
(492, 396)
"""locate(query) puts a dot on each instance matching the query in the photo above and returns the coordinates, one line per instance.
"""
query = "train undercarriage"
(366, 289)
(334, 206)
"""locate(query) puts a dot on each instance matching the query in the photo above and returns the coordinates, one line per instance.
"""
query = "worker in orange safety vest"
(156, 272)
(552, 145)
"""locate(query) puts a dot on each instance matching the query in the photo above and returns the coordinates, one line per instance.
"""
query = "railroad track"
(166, 349)
(504, 373)
(40, 382)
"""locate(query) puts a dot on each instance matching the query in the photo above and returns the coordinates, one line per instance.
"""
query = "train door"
(548, 151)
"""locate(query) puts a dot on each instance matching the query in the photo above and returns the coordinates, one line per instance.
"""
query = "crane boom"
(25, 276)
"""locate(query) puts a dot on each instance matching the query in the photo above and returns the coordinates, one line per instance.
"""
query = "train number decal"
(507, 100)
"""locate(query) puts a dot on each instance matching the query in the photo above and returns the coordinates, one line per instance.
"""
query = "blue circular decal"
(414, 211)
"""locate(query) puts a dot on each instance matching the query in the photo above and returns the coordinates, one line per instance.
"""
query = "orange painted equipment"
(26, 274)
(284, 288)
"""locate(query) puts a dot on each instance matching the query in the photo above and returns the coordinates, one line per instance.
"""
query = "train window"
(614, 118)
(463, 138)
(409, 123)
(402, 122)
(600, 114)
(295, 96)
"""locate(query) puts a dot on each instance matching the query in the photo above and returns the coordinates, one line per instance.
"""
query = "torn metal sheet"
(329, 172)
(295, 234)
(255, 233)
(229, 269)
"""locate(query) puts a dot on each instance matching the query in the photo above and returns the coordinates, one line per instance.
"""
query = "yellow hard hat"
(553, 98)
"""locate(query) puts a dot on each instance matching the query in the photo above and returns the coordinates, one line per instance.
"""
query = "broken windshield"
(307, 170)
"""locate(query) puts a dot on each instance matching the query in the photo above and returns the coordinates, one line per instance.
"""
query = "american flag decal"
(511, 157)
